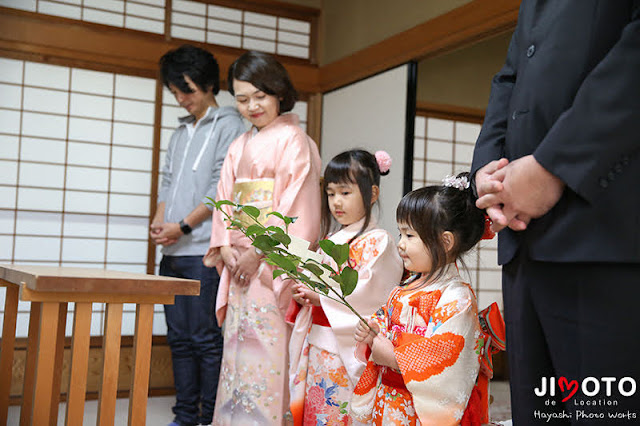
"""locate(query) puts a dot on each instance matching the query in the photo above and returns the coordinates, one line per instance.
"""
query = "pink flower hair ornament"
(384, 162)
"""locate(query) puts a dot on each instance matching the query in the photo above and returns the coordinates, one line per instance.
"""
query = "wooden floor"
(159, 409)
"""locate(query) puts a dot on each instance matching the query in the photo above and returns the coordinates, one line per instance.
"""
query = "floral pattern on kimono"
(322, 357)
(435, 332)
(276, 168)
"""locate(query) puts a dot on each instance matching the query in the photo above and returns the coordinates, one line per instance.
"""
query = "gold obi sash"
(253, 192)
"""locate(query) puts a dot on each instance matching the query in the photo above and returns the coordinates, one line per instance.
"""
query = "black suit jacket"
(569, 93)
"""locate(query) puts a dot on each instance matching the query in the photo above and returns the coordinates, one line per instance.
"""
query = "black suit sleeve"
(490, 143)
(599, 135)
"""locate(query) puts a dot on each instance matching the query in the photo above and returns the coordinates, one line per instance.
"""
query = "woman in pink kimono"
(323, 368)
(274, 166)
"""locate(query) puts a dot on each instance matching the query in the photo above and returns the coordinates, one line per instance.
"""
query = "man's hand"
(487, 182)
(164, 233)
(528, 191)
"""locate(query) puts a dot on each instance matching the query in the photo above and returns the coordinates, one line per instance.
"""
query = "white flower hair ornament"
(384, 162)
(460, 183)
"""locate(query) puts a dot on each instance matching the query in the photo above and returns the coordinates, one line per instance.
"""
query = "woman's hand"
(246, 266)
(229, 257)
(212, 257)
(382, 352)
(304, 295)
(365, 334)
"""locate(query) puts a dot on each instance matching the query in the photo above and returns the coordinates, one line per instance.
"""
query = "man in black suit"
(557, 167)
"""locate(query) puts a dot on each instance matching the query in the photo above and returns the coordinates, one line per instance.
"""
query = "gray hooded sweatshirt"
(192, 170)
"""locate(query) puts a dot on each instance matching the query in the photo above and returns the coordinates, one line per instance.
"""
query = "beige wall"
(351, 25)
(462, 77)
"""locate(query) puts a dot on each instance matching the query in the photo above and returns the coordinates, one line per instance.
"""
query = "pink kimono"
(274, 169)
(323, 369)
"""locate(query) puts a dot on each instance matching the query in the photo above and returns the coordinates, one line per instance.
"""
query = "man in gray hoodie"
(182, 225)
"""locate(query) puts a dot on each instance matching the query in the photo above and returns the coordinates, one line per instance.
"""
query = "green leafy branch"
(276, 245)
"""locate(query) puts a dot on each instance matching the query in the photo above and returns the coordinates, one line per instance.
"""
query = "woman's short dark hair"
(355, 166)
(432, 210)
(267, 74)
(196, 63)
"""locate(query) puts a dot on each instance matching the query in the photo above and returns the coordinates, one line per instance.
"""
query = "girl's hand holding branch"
(381, 348)
(365, 334)
(305, 296)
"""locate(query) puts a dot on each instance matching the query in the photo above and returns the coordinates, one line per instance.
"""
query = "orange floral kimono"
(323, 369)
(438, 346)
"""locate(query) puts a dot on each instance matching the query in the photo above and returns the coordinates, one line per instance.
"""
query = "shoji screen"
(443, 147)
(371, 114)
(75, 170)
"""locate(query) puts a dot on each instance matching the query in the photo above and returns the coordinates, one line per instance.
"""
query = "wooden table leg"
(141, 365)
(30, 364)
(109, 386)
(7, 349)
(45, 367)
(79, 364)
(57, 368)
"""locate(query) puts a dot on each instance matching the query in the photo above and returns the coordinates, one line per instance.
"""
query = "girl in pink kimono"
(323, 369)
(424, 360)
(274, 166)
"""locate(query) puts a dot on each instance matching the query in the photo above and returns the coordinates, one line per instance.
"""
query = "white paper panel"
(10, 95)
(126, 181)
(95, 82)
(128, 227)
(85, 202)
(39, 199)
(127, 251)
(131, 158)
(49, 150)
(86, 178)
(10, 121)
(8, 172)
(51, 126)
(83, 249)
(84, 225)
(134, 205)
(49, 76)
(47, 175)
(346, 124)
(37, 248)
(88, 154)
(135, 87)
(88, 130)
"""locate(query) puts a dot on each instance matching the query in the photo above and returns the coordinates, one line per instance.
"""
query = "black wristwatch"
(186, 229)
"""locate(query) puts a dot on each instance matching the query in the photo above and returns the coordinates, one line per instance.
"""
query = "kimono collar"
(346, 233)
(450, 273)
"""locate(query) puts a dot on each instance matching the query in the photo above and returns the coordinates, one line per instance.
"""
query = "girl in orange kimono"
(425, 344)
(323, 368)
(274, 166)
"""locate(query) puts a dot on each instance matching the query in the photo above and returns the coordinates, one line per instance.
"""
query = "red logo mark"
(571, 386)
